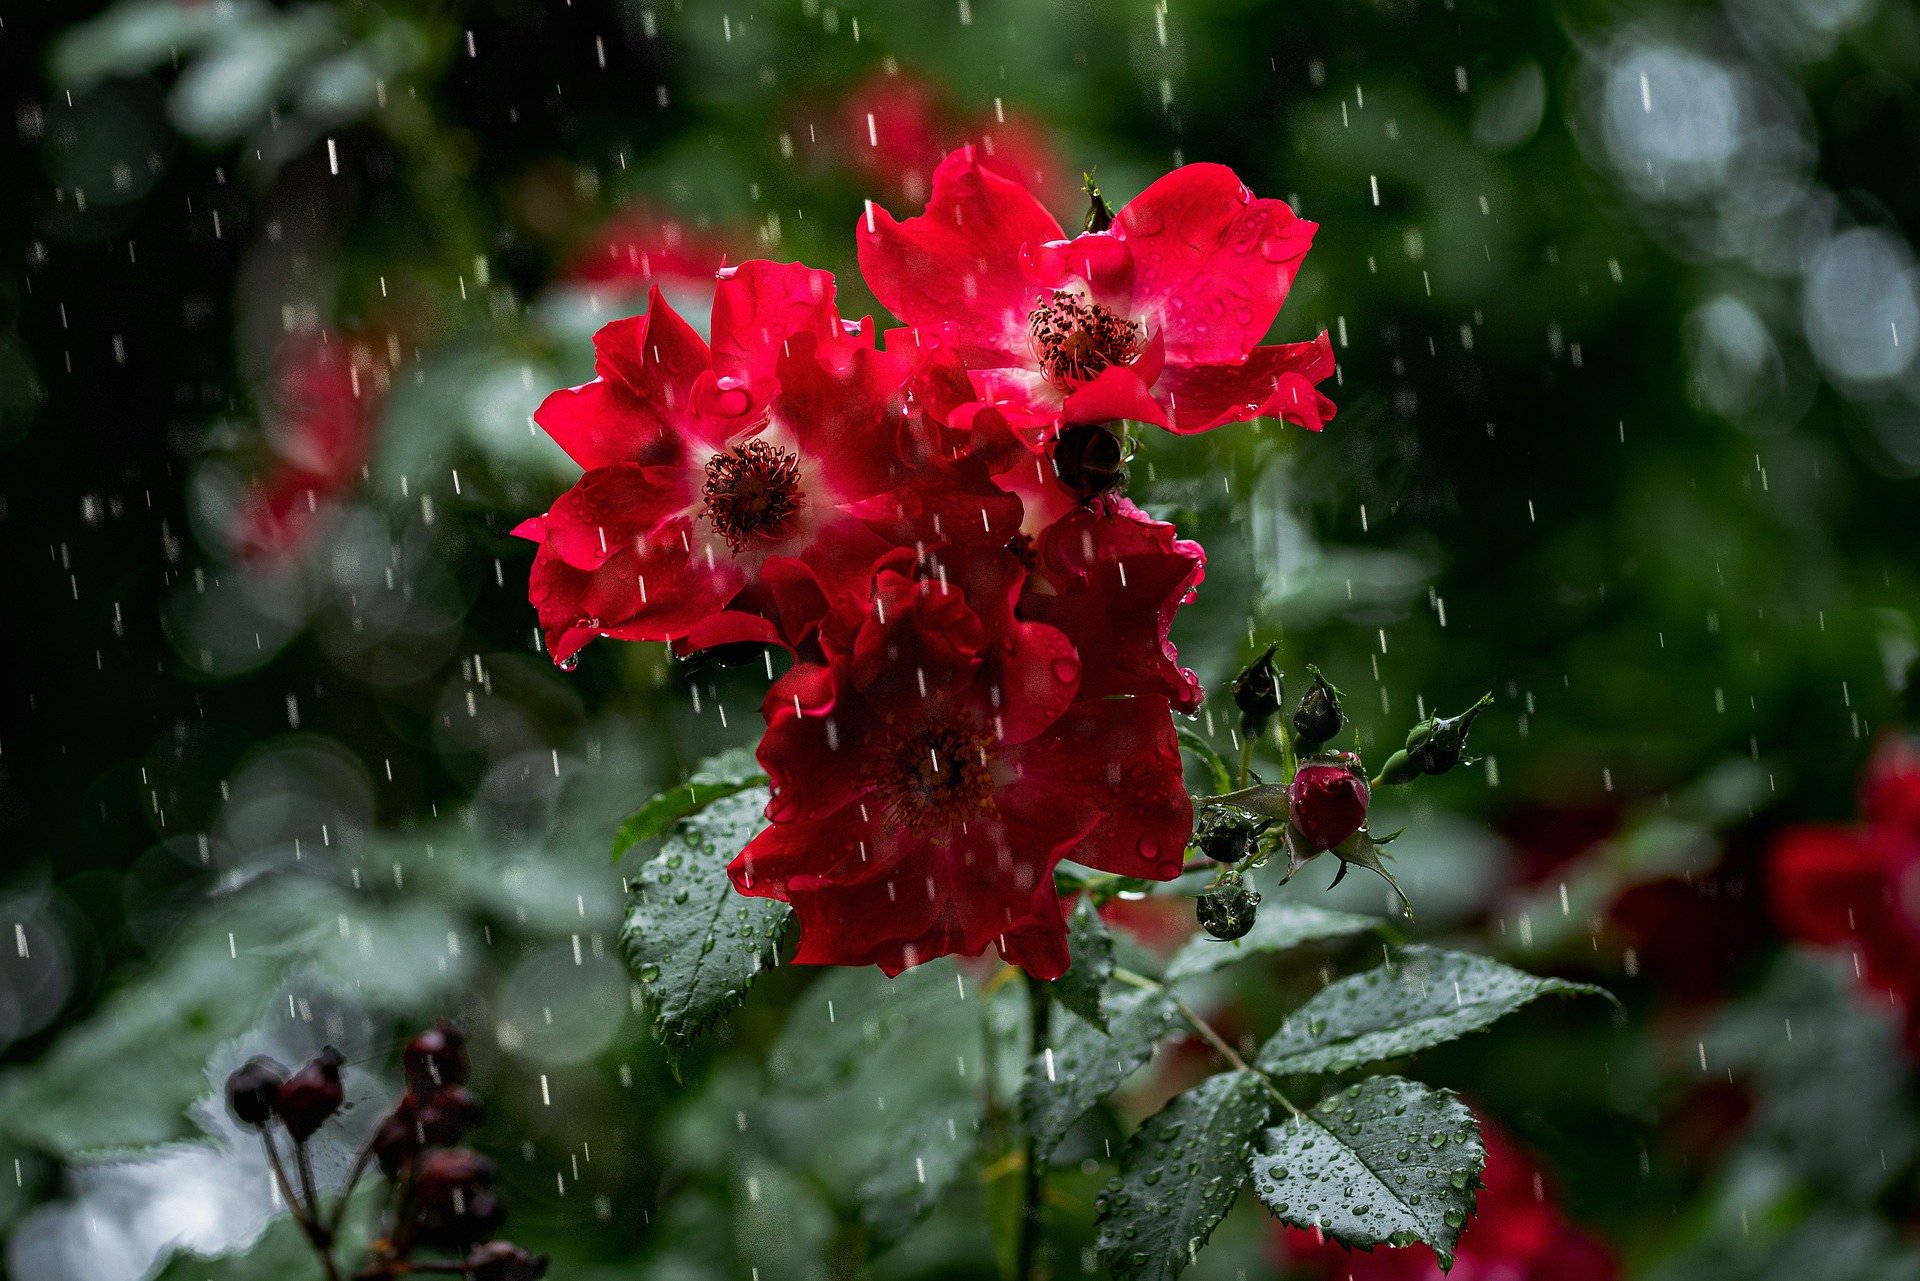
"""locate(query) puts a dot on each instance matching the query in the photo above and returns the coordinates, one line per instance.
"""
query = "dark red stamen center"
(1075, 338)
(752, 493)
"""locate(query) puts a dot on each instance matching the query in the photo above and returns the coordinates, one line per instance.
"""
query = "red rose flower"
(1111, 577)
(894, 129)
(929, 777)
(730, 487)
(1155, 319)
(641, 249)
(1860, 884)
(1328, 803)
(1518, 1233)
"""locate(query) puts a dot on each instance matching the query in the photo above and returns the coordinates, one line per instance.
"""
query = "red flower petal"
(959, 262)
(1112, 579)
(758, 308)
(1274, 382)
(1120, 757)
(647, 367)
(1211, 262)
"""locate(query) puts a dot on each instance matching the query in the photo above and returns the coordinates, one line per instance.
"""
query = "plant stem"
(361, 1160)
(306, 1212)
(1207, 1033)
(1028, 1261)
(1246, 759)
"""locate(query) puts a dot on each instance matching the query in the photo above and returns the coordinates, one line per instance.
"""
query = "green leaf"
(1279, 927)
(781, 1226)
(848, 1014)
(694, 942)
(1179, 1176)
(713, 779)
(920, 1162)
(1426, 997)
(1084, 1065)
(1091, 948)
(1388, 1161)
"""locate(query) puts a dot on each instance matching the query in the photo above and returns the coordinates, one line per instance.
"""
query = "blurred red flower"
(894, 129)
(321, 429)
(1859, 883)
(929, 776)
(1517, 1233)
(1155, 319)
(645, 248)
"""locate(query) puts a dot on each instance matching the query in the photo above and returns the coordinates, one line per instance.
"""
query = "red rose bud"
(454, 1199)
(436, 1057)
(505, 1261)
(307, 1098)
(251, 1090)
(1329, 803)
(1090, 461)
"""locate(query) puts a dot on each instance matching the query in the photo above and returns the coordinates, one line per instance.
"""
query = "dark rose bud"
(397, 1141)
(448, 1114)
(505, 1261)
(1099, 215)
(1437, 744)
(454, 1199)
(251, 1090)
(1224, 835)
(436, 1057)
(1317, 719)
(1227, 911)
(1329, 802)
(1090, 461)
(1258, 692)
(311, 1095)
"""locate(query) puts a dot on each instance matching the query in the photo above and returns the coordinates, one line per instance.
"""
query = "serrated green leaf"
(849, 1014)
(716, 778)
(1386, 1162)
(1090, 946)
(1278, 928)
(1179, 1176)
(1426, 997)
(1085, 1065)
(920, 1162)
(694, 942)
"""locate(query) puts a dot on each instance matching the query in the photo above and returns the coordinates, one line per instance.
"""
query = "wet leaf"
(1425, 997)
(1084, 1065)
(694, 942)
(1091, 948)
(713, 779)
(1386, 1162)
(1179, 1176)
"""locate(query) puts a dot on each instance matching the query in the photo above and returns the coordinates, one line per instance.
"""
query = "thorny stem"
(1028, 1265)
(1207, 1033)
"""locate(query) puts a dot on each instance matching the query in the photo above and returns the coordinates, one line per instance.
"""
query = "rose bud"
(1437, 744)
(1258, 692)
(1099, 213)
(454, 1199)
(1317, 719)
(436, 1057)
(1227, 911)
(397, 1141)
(308, 1097)
(251, 1089)
(1090, 461)
(1224, 835)
(449, 1113)
(505, 1261)
(1329, 802)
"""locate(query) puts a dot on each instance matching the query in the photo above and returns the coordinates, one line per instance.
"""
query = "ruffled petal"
(1212, 263)
(1274, 382)
(632, 411)
(959, 262)
(758, 308)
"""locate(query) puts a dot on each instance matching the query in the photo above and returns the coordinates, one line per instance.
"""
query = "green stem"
(1029, 1263)
(1246, 760)
(1207, 1033)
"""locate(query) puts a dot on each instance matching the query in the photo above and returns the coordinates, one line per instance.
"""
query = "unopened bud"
(1099, 214)
(1317, 719)
(454, 1198)
(436, 1057)
(1258, 691)
(307, 1098)
(1225, 835)
(1437, 744)
(1090, 460)
(1330, 800)
(251, 1090)
(1227, 911)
